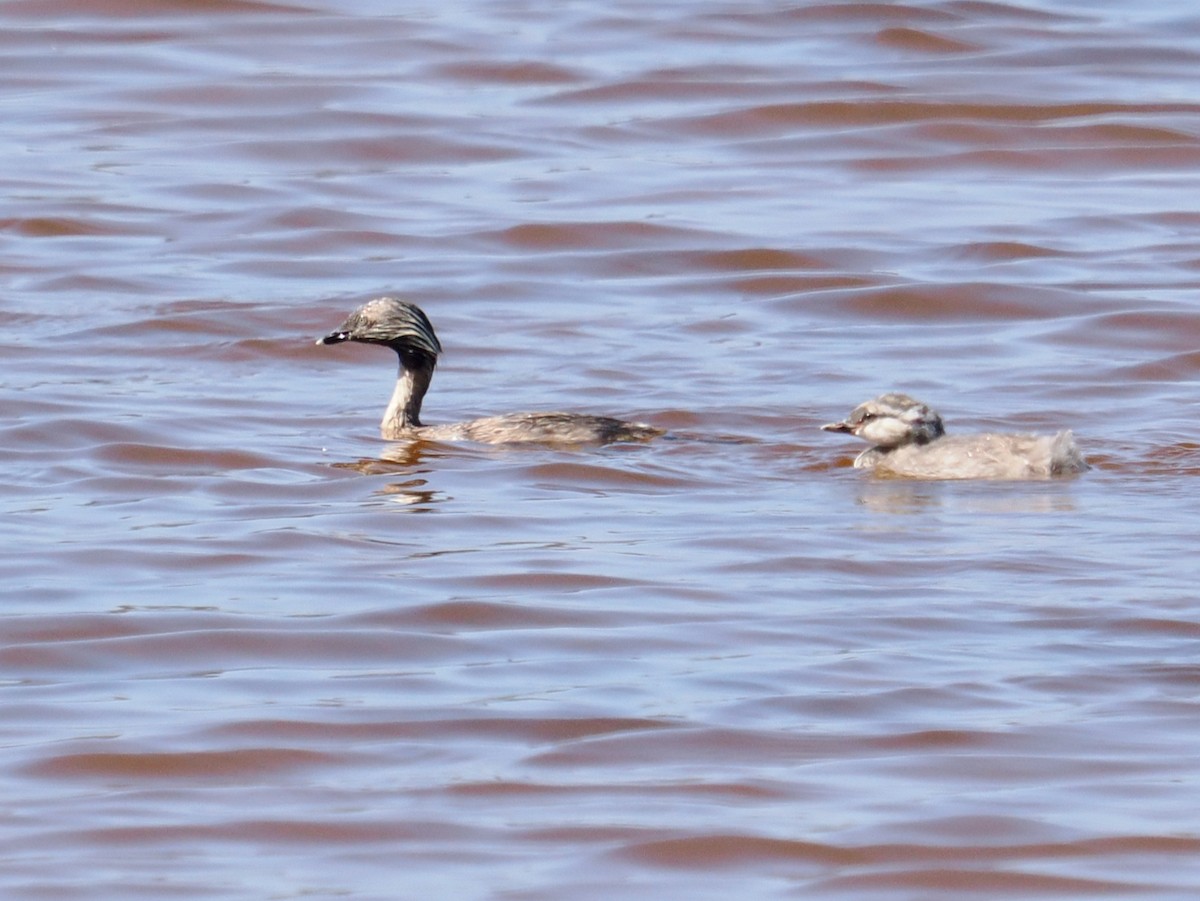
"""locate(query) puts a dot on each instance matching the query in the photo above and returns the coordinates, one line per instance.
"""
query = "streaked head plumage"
(891, 420)
(390, 321)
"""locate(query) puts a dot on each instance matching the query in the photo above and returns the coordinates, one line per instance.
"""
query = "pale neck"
(403, 413)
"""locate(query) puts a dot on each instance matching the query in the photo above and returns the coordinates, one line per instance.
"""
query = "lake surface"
(248, 650)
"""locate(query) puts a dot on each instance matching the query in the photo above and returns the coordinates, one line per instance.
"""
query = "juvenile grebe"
(911, 442)
(404, 328)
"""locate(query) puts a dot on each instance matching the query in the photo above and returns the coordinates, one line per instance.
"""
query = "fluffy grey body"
(909, 441)
(406, 329)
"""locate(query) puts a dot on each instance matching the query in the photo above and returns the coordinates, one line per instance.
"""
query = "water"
(249, 650)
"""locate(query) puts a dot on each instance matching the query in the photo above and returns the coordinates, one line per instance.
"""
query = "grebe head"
(891, 420)
(404, 328)
(394, 323)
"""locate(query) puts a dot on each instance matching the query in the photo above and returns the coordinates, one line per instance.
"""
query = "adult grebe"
(404, 328)
(910, 442)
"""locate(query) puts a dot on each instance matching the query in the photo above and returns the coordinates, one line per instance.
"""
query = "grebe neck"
(403, 412)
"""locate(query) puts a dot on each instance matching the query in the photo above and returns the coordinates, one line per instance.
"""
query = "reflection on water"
(905, 496)
(719, 664)
(411, 493)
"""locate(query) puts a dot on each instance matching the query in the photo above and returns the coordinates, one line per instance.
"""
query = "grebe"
(911, 442)
(406, 329)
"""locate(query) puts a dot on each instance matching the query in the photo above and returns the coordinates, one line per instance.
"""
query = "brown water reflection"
(251, 651)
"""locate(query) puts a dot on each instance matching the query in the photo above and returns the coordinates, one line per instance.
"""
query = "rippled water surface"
(249, 650)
